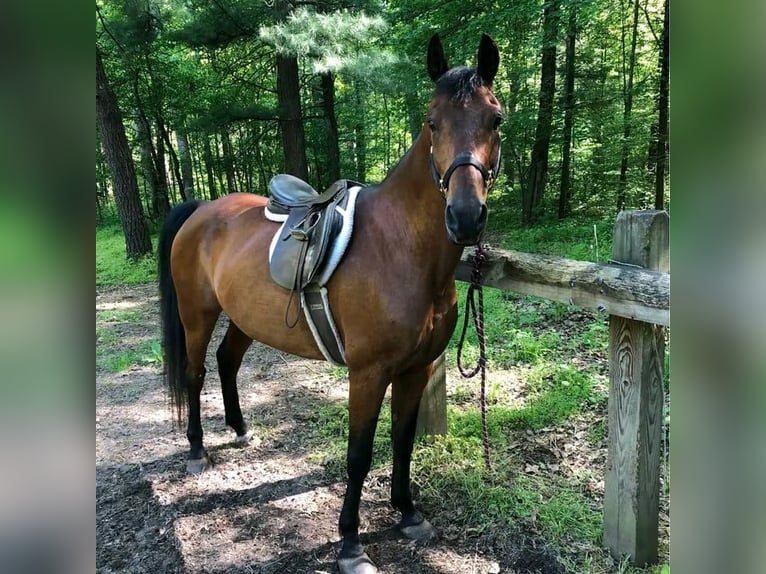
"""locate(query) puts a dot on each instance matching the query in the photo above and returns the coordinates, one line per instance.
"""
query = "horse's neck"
(418, 213)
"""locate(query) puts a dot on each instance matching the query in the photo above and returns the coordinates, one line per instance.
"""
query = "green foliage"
(210, 68)
(556, 394)
(331, 424)
(596, 337)
(115, 358)
(450, 473)
(580, 238)
(112, 267)
(331, 41)
(119, 315)
(337, 373)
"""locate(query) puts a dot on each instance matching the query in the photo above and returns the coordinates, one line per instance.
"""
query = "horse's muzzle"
(465, 221)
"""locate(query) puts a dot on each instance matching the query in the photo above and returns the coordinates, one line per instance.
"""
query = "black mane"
(459, 84)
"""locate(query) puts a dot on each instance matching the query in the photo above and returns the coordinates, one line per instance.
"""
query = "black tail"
(173, 336)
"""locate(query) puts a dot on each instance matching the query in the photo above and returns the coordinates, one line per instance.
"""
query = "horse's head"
(464, 120)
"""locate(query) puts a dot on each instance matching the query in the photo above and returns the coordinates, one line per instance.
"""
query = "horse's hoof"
(197, 465)
(357, 565)
(244, 439)
(422, 532)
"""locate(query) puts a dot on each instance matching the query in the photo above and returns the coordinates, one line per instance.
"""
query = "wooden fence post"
(636, 368)
(432, 416)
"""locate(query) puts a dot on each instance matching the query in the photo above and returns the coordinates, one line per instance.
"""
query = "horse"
(393, 295)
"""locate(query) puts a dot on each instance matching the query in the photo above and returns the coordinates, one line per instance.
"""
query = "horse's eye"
(497, 122)
(431, 125)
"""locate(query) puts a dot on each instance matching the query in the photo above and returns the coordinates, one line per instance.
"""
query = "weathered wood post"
(432, 416)
(636, 367)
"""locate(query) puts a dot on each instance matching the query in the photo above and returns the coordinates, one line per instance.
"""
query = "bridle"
(442, 182)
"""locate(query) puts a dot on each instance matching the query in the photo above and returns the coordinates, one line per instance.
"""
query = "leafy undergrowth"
(579, 237)
(112, 352)
(112, 266)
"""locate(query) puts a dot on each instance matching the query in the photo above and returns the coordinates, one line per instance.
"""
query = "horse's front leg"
(366, 390)
(407, 391)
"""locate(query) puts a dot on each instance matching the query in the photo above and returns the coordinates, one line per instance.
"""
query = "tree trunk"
(513, 158)
(228, 161)
(290, 117)
(240, 167)
(102, 187)
(161, 166)
(360, 141)
(124, 183)
(628, 96)
(208, 156)
(187, 170)
(101, 190)
(415, 115)
(331, 126)
(158, 194)
(538, 167)
(259, 161)
(387, 138)
(218, 162)
(173, 159)
(565, 192)
(662, 132)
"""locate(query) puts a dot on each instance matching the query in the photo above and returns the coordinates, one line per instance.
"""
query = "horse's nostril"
(483, 216)
(450, 217)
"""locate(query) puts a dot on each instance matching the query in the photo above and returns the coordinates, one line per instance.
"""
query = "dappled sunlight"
(468, 562)
(119, 305)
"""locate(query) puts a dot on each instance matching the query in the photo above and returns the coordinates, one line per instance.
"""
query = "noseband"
(442, 182)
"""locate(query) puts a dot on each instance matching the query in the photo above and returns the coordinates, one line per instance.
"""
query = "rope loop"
(478, 259)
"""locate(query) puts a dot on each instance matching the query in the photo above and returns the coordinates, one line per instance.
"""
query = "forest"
(200, 98)
(196, 99)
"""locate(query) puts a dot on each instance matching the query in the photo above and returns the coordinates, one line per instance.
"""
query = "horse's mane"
(459, 84)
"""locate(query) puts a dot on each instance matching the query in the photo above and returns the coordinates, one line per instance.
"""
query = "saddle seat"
(287, 191)
(307, 248)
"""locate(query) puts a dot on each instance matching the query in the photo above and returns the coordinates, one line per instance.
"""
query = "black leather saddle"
(313, 221)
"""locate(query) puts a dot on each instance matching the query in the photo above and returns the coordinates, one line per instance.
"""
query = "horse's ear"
(437, 63)
(488, 60)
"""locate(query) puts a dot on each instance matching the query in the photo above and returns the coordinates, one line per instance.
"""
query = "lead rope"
(478, 259)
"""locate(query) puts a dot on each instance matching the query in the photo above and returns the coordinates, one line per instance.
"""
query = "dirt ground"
(267, 507)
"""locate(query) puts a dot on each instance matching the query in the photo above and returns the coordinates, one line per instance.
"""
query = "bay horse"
(393, 296)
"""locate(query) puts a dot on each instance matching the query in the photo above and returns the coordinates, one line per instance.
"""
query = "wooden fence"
(634, 290)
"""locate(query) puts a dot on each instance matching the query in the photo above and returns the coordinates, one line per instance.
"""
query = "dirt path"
(264, 508)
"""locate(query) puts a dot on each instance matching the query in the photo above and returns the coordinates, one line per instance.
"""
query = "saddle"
(312, 221)
(316, 229)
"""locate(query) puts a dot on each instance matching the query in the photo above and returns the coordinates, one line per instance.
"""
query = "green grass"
(450, 469)
(573, 238)
(451, 475)
(596, 337)
(106, 336)
(111, 358)
(331, 425)
(510, 340)
(337, 373)
(112, 266)
(557, 393)
(119, 315)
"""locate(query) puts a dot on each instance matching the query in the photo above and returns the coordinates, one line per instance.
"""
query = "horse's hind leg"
(198, 328)
(229, 355)
(406, 392)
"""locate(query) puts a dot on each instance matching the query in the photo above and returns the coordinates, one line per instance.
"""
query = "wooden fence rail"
(634, 289)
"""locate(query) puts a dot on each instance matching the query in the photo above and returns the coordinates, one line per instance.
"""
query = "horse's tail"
(173, 336)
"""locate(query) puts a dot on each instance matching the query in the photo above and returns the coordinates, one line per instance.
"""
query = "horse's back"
(222, 258)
